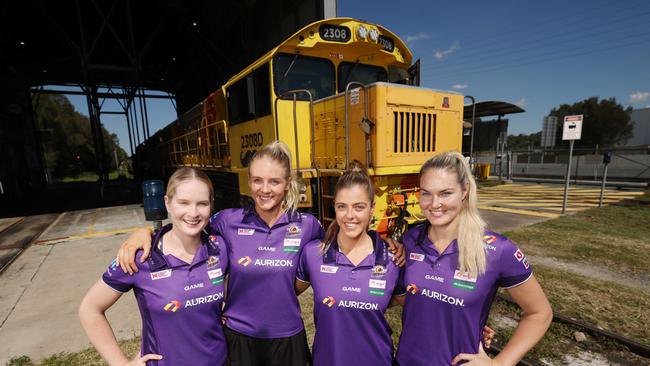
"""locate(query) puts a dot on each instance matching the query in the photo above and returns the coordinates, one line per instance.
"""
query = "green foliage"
(523, 142)
(67, 140)
(605, 122)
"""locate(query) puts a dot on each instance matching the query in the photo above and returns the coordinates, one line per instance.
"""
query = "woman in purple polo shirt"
(179, 290)
(353, 278)
(262, 315)
(453, 270)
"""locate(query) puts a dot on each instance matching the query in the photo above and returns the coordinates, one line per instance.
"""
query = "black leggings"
(249, 351)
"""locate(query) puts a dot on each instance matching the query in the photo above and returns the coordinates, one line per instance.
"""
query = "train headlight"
(374, 35)
(362, 32)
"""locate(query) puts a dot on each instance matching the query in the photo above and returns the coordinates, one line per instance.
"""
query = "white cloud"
(521, 103)
(417, 37)
(444, 53)
(639, 97)
(459, 86)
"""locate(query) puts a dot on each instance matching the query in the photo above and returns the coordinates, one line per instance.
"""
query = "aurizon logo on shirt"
(362, 305)
(176, 305)
(273, 262)
(442, 297)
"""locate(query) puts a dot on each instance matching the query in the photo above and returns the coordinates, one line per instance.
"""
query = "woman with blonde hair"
(179, 290)
(264, 240)
(453, 270)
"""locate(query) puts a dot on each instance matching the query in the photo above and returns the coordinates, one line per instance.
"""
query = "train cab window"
(365, 74)
(294, 71)
(250, 97)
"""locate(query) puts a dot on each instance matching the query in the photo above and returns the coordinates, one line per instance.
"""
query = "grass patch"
(87, 357)
(620, 310)
(615, 236)
(558, 341)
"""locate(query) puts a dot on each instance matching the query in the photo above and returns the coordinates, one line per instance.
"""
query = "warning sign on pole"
(572, 127)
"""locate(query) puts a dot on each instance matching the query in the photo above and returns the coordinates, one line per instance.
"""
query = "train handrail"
(295, 121)
(347, 122)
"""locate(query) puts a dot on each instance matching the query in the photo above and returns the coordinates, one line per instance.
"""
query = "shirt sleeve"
(317, 232)
(214, 224)
(303, 264)
(116, 279)
(514, 266)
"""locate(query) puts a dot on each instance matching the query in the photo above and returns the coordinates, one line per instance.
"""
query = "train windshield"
(291, 72)
(365, 74)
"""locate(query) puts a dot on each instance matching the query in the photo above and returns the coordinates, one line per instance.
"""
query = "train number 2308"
(252, 140)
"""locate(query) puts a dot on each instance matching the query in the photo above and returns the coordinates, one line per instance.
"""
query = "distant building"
(641, 132)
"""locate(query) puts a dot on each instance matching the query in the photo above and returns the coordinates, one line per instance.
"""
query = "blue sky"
(537, 55)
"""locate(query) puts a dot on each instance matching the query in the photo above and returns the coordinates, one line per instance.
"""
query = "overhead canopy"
(492, 108)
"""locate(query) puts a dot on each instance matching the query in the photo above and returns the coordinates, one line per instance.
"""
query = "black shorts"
(249, 351)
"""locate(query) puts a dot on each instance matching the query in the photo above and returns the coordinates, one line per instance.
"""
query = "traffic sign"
(572, 127)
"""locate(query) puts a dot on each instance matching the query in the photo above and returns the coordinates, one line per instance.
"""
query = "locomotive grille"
(414, 132)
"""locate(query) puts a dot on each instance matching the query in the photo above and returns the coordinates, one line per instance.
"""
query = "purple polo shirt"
(180, 303)
(349, 304)
(445, 310)
(262, 299)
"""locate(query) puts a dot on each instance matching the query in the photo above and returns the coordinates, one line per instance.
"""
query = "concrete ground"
(42, 288)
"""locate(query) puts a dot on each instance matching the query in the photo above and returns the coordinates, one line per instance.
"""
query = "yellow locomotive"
(337, 90)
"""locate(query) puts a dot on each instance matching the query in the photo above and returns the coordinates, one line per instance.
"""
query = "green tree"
(67, 140)
(522, 142)
(605, 122)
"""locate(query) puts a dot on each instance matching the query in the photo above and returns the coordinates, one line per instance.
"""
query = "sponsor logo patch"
(262, 248)
(329, 301)
(173, 306)
(328, 269)
(464, 281)
(193, 286)
(378, 271)
(519, 255)
(416, 257)
(291, 245)
(412, 289)
(489, 239)
(351, 289)
(443, 297)
(435, 278)
(376, 287)
(242, 231)
(244, 261)
(293, 230)
(212, 261)
(525, 262)
(212, 274)
(161, 274)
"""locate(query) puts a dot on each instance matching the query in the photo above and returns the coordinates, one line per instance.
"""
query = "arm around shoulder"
(139, 239)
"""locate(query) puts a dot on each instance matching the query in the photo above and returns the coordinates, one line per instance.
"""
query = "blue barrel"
(153, 194)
